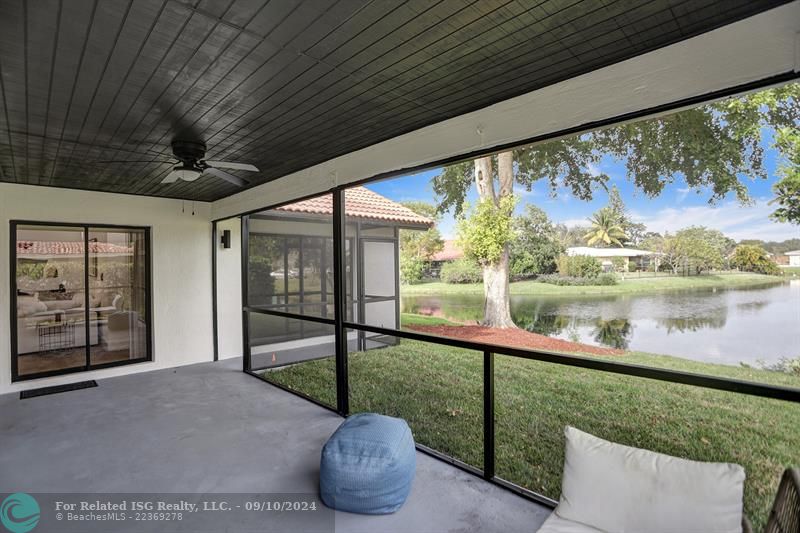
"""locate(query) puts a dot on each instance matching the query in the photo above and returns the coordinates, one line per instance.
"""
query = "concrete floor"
(209, 428)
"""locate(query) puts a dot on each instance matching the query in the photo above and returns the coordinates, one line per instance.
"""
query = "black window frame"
(326, 288)
(86, 228)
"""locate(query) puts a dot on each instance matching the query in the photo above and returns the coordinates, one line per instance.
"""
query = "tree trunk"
(496, 307)
(496, 304)
(505, 172)
(484, 179)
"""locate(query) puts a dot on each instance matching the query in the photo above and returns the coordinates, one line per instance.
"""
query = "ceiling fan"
(191, 155)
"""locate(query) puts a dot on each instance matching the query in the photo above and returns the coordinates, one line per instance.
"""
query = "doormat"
(33, 393)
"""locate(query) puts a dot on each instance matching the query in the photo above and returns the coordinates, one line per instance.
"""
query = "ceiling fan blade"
(236, 180)
(233, 166)
(128, 161)
(172, 177)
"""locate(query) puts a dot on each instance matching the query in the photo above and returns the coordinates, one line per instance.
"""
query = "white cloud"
(682, 194)
(524, 193)
(572, 222)
(593, 169)
(562, 196)
(736, 221)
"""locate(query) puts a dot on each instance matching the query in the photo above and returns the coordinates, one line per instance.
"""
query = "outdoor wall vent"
(226, 238)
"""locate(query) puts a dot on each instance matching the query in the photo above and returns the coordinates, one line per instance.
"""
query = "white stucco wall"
(229, 290)
(750, 50)
(181, 262)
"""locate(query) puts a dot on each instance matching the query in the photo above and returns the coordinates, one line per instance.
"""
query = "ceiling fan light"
(187, 174)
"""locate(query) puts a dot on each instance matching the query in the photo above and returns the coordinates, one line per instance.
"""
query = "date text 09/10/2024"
(184, 506)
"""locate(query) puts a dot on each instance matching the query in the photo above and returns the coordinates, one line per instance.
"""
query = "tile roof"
(608, 252)
(51, 248)
(450, 252)
(361, 202)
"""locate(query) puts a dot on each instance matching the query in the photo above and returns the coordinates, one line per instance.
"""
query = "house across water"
(608, 256)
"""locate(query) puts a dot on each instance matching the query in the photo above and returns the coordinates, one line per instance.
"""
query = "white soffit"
(753, 49)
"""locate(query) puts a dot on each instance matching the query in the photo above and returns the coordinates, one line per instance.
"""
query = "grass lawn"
(438, 389)
(627, 286)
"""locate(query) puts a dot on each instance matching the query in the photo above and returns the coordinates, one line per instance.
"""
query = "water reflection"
(615, 333)
(695, 323)
(727, 326)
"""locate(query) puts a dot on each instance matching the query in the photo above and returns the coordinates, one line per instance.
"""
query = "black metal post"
(214, 246)
(87, 327)
(340, 303)
(245, 240)
(358, 253)
(12, 241)
(488, 415)
(397, 277)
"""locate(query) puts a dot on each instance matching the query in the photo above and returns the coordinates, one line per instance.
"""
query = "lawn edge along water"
(625, 286)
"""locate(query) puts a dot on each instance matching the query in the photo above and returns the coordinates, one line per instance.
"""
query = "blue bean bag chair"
(368, 465)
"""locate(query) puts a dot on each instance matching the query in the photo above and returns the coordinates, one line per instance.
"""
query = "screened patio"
(260, 305)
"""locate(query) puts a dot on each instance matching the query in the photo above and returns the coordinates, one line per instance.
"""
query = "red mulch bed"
(515, 337)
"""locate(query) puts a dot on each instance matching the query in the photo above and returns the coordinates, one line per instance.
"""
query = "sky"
(676, 207)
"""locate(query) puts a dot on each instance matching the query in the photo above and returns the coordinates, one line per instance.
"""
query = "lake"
(726, 326)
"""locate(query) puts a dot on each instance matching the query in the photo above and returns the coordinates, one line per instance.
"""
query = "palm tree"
(606, 229)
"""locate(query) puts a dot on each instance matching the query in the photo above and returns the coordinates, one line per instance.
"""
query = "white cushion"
(556, 524)
(621, 489)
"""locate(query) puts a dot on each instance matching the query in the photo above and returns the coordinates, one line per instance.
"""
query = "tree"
(781, 247)
(570, 237)
(716, 239)
(710, 146)
(534, 248)
(634, 231)
(787, 190)
(485, 236)
(606, 229)
(654, 242)
(695, 248)
(417, 247)
(751, 258)
(264, 251)
(617, 206)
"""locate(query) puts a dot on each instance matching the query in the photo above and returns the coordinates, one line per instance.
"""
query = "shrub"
(538, 258)
(751, 258)
(784, 364)
(578, 266)
(606, 279)
(557, 279)
(619, 264)
(31, 270)
(411, 269)
(260, 283)
(461, 271)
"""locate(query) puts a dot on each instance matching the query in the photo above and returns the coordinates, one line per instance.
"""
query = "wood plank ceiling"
(286, 84)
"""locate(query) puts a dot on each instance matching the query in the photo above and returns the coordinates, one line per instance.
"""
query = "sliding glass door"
(50, 287)
(118, 294)
(81, 296)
